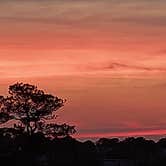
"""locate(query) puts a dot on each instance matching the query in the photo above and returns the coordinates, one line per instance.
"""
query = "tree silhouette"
(32, 108)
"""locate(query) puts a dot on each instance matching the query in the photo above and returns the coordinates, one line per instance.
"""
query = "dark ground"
(37, 150)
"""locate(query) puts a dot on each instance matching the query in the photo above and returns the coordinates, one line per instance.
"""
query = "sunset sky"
(106, 57)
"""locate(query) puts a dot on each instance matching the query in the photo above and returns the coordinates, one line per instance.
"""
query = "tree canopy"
(32, 108)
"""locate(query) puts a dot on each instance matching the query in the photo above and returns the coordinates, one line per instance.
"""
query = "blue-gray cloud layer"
(89, 11)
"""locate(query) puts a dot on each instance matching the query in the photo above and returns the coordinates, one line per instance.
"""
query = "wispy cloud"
(85, 12)
(135, 67)
(116, 66)
(107, 24)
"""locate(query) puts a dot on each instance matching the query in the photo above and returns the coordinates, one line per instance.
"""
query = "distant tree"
(162, 142)
(32, 108)
(107, 142)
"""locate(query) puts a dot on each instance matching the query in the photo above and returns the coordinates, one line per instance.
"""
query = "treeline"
(34, 141)
(37, 150)
(138, 151)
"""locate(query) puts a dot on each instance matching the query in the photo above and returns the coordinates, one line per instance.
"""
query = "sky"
(107, 58)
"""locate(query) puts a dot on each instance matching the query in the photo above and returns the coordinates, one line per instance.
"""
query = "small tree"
(32, 108)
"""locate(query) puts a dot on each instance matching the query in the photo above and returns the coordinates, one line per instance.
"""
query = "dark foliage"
(133, 151)
(31, 108)
(37, 150)
(33, 141)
